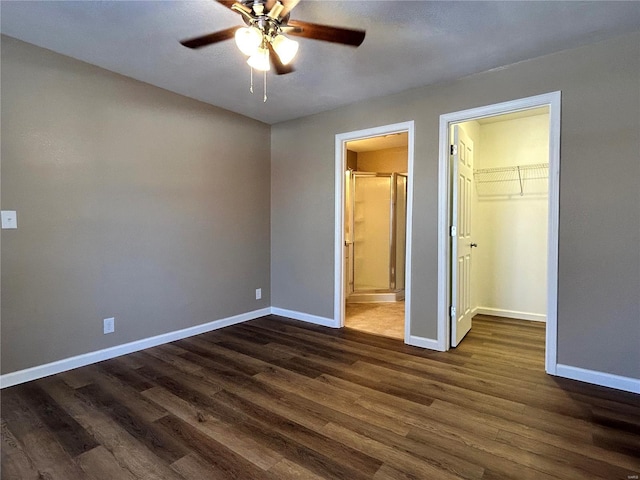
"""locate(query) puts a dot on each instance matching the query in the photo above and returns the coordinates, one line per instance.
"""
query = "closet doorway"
(374, 235)
(499, 199)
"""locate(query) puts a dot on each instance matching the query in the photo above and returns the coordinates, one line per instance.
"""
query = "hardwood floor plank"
(591, 466)
(557, 436)
(16, 464)
(315, 440)
(617, 441)
(439, 390)
(248, 388)
(209, 425)
(130, 453)
(71, 436)
(423, 451)
(40, 450)
(173, 359)
(125, 394)
(543, 465)
(371, 382)
(99, 464)
(314, 391)
(193, 467)
(39, 444)
(509, 468)
(223, 461)
(286, 469)
(396, 406)
(224, 357)
(403, 461)
(163, 446)
(119, 368)
(288, 443)
(292, 344)
(512, 421)
(540, 394)
(77, 378)
(275, 398)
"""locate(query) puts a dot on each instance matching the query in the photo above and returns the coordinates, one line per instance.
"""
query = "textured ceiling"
(408, 44)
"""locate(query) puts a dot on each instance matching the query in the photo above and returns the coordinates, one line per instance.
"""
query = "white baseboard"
(610, 380)
(499, 312)
(422, 342)
(40, 371)
(14, 378)
(305, 317)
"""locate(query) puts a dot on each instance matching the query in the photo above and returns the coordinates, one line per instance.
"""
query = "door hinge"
(453, 231)
(452, 312)
(454, 149)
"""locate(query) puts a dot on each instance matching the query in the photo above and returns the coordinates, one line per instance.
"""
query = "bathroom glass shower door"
(372, 231)
(375, 236)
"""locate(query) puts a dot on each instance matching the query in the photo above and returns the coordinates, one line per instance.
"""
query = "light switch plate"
(109, 325)
(9, 219)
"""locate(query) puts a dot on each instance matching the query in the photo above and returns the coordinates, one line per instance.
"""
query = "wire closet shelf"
(515, 180)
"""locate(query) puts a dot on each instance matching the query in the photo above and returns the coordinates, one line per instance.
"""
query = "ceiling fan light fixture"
(285, 48)
(248, 40)
(260, 60)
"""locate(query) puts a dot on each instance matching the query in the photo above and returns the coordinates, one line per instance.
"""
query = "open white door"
(461, 240)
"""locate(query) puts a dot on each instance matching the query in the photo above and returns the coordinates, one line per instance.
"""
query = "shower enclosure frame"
(392, 293)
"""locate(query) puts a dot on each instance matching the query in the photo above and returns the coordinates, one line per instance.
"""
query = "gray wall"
(132, 202)
(599, 271)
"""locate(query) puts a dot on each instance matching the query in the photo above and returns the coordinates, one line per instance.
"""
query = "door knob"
(473, 245)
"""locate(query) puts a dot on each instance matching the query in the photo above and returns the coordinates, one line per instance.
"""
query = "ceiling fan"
(264, 38)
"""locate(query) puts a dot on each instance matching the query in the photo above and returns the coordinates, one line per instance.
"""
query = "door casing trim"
(340, 166)
(553, 101)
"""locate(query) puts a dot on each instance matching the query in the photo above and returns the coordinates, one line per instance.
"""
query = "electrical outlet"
(109, 325)
(258, 293)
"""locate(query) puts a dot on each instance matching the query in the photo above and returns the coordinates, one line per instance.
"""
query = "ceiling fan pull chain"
(251, 85)
(264, 100)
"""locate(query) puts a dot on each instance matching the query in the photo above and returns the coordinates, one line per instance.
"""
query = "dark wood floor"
(277, 399)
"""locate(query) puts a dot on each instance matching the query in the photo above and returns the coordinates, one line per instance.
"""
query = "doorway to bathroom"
(374, 240)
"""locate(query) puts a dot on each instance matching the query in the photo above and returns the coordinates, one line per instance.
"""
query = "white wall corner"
(59, 366)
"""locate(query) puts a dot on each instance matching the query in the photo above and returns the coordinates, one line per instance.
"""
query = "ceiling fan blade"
(278, 66)
(203, 41)
(287, 4)
(226, 3)
(326, 33)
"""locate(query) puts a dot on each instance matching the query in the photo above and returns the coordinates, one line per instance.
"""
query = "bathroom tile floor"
(386, 319)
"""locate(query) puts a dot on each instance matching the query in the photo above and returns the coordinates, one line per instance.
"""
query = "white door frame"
(553, 101)
(341, 165)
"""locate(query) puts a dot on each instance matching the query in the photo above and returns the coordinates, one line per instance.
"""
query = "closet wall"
(510, 264)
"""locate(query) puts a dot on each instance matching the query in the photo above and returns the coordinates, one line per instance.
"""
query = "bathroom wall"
(386, 160)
